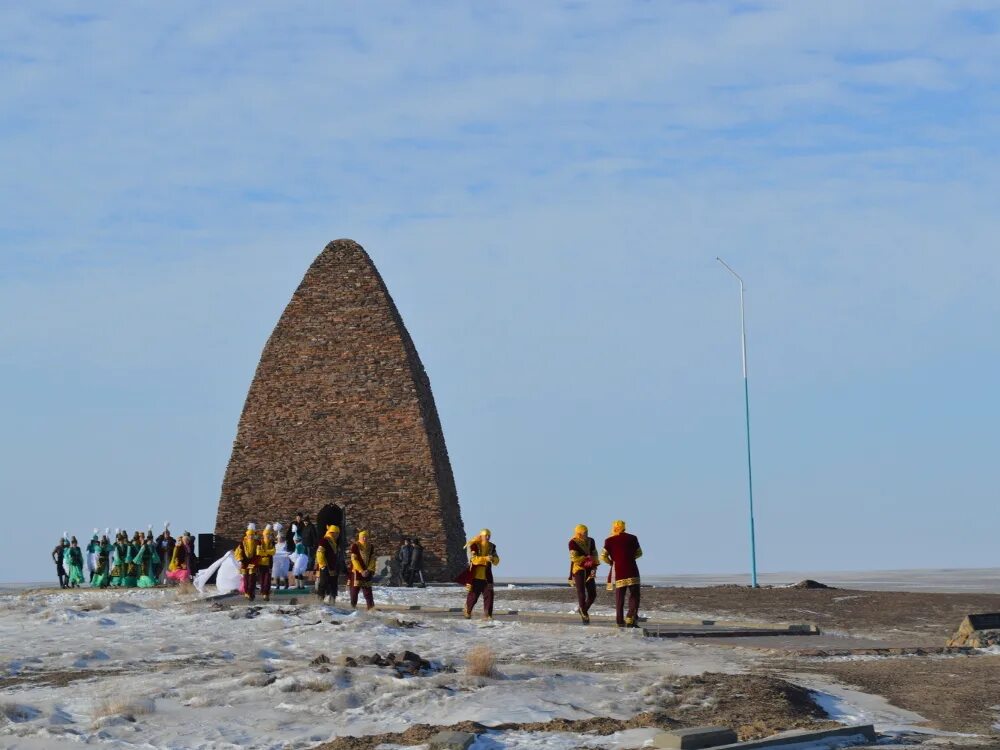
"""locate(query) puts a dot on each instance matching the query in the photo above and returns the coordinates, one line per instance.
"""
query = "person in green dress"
(102, 567)
(146, 562)
(74, 563)
(131, 578)
(119, 558)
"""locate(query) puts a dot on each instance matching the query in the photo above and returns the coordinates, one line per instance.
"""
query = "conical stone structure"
(340, 416)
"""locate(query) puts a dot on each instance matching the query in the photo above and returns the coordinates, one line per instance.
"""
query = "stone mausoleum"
(340, 422)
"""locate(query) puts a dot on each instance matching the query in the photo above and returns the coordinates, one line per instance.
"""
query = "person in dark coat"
(165, 543)
(58, 555)
(404, 556)
(310, 538)
(417, 563)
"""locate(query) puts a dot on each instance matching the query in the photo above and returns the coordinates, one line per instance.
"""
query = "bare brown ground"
(755, 705)
(898, 617)
(960, 694)
(956, 693)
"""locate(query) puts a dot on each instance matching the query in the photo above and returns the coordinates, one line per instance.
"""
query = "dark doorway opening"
(330, 514)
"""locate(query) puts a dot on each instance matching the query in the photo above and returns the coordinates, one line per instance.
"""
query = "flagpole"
(746, 404)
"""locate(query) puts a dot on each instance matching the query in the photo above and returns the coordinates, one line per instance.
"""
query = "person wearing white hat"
(91, 557)
(299, 558)
(165, 549)
(58, 557)
(281, 564)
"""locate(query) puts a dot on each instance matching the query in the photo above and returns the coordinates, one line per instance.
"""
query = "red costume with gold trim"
(362, 569)
(478, 579)
(265, 558)
(621, 550)
(328, 565)
(583, 563)
(246, 556)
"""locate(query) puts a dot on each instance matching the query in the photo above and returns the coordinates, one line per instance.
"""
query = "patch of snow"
(849, 706)
(208, 673)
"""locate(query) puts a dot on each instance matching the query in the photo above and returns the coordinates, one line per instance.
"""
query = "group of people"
(143, 561)
(410, 560)
(620, 552)
(268, 557)
(273, 557)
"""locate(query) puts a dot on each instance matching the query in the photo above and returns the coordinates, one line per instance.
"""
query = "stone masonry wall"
(340, 410)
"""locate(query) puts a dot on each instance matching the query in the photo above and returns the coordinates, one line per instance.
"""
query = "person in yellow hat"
(621, 550)
(583, 563)
(362, 570)
(483, 556)
(265, 559)
(246, 556)
(328, 564)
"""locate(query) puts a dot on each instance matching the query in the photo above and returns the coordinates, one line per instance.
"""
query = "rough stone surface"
(977, 631)
(694, 738)
(864, 733)
(340, 412)
(451, 740)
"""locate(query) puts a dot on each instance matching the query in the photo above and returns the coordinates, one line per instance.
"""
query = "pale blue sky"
(544, 188)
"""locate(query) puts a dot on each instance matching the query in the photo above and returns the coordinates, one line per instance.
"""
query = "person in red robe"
(265, 559)
(583, 562)
(621, 550)
(362, 570)
(478, 578)
(328, 564)
(246, 556)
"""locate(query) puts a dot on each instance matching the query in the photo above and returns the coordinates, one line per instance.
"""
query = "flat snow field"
(162, 668)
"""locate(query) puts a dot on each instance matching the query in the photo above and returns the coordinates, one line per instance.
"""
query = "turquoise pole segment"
(753, 535)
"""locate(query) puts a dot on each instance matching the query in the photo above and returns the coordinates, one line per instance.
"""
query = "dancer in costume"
(179, 568)
(478, 579)
(583, 562)
(246, 556)
(131, 577)
(165, 544)
(362, 570)
(265, 559)
(328, 564)
(282, 563)
(102, 569)
(119, 559)
(74, 563)
(147, 562)
(621, 550)
(300, 560)
(92, 548)
(58, 557)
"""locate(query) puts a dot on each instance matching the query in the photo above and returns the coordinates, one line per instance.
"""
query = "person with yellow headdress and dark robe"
(327, 564)
(583, 563)
(265, 559)
(246, 555)
(621, 550)
(478, 578)
(362, 570)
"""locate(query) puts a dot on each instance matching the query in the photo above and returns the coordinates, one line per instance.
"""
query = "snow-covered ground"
(155, 668)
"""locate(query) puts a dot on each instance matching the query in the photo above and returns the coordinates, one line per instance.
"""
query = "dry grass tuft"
(124, 706)
(481, 662)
